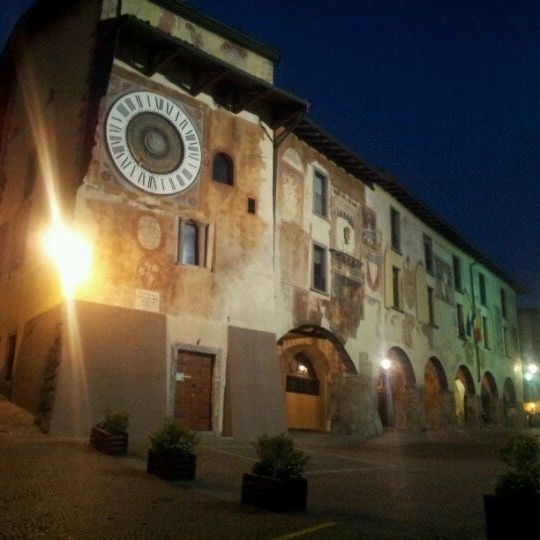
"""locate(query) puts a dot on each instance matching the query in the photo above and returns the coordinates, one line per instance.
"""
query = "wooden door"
(193, 403)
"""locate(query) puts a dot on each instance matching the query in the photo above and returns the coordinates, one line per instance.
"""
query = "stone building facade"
(249, 273)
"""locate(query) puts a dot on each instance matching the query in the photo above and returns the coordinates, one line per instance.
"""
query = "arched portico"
(323, 391)
(466, 405)
(489, 397)
(437, 398)
(397, 394)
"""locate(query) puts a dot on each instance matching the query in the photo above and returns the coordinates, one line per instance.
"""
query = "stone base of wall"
(353, 407)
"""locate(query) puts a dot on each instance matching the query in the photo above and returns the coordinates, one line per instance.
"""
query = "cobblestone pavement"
(397, 486)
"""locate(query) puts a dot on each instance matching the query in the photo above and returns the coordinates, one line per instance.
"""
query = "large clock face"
(153, 143)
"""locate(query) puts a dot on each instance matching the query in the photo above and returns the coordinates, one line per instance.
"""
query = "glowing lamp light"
(532, 368)
(71, 253)
(302, 368)
(528, 376)
(386, 364)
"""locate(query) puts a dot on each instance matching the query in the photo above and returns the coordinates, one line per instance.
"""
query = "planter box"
(114, 444)
(275, 494)
(511, 517)
(172, 465)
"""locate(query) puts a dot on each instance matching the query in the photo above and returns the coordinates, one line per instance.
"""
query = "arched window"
(223, 169)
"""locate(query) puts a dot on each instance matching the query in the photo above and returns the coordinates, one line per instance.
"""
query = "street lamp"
(71, 254)
(386, 364)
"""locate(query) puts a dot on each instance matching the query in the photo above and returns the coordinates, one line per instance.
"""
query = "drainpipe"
(276, 143)
(119, 8)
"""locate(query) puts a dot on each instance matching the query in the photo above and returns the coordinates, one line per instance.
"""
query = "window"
(485, 331)
(251, 206)
(431, 305)
(223, 169)
(460, 321)
(507, 342)
(482, 285)
(302, 378)
(319, 268)
(503, 302)
(456, 263)
(428, 254)
(10, 358)
(320, 193)
(395, 229)
(395, 288)
(192, 243)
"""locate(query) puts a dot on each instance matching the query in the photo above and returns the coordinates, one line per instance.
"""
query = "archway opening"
(435, 385)
(396, 382)
(313, 363)
(488, 398)
(463, 395)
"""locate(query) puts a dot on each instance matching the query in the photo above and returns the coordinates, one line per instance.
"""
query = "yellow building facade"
(248, 273)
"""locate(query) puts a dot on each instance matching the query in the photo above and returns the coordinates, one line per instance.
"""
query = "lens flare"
(72, 255)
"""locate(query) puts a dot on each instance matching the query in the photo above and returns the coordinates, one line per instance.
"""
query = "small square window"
(252, 206)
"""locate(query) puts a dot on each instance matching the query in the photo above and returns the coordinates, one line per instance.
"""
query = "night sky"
(442, 94)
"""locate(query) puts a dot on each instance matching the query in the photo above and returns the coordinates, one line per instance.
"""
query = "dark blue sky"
(443, 94)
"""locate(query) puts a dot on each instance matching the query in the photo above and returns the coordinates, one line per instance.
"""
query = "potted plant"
(110, 435)
(512, 509)
(171, 455)
(276, 481)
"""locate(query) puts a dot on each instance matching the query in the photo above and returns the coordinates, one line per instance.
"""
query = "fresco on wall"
(369, 227)
(443, 286)
(373, 269)
(346, 307)
(292, 193)
(409, 284)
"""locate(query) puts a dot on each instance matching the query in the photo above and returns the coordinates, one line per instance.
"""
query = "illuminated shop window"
(302, 378)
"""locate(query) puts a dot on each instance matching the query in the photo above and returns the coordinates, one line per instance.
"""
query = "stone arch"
(436, 395)
(466, 408)
(310, 359)
(398, 398)
(489, 398)
(319, 380)
(509, 395)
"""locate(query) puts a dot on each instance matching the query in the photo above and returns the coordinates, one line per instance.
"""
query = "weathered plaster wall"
(194, 34)
(41, 152)
(410, 329)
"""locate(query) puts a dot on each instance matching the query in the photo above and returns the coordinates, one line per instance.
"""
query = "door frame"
(218, 380)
